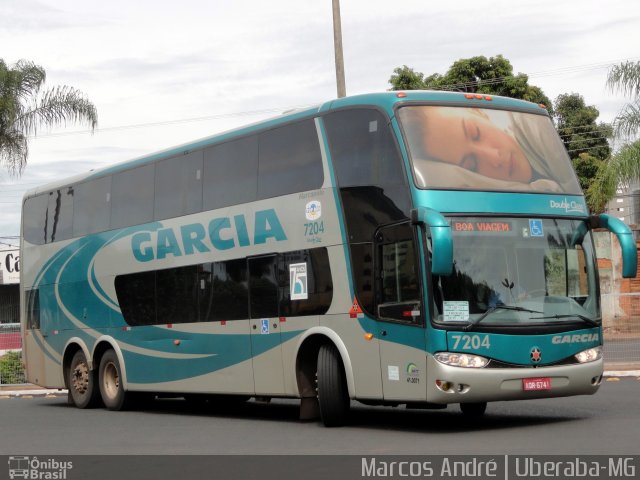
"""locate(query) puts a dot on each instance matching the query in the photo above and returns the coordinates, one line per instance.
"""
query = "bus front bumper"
(447, 384)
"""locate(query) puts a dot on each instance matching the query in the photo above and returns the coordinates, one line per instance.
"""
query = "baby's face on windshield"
(467, 138)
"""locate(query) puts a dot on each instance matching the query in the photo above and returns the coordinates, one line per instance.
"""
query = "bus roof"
(385, 100)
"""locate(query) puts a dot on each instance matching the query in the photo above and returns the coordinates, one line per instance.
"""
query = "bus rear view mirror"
(439, 231)
(625, 238)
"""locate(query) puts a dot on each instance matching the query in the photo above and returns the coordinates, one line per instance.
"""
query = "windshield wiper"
(588, 320)
(475, 322)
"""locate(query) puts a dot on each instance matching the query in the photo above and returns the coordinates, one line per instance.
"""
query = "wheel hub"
(81, 378)
(111, 380)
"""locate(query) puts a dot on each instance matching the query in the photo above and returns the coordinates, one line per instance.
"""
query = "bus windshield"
(486, 149)
(518, 271)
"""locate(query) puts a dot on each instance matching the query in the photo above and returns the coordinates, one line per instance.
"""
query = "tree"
(624, 166)
(578, 129)
(480, 74)
(625, 78)
(585, 140)
(24, 108)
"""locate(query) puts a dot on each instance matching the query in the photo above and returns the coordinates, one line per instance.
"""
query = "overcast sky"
(163, 73)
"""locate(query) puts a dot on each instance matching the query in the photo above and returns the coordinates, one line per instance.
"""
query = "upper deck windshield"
(486, 149)
(518, 271)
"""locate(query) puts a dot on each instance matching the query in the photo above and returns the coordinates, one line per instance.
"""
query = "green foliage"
(624, 166)
(578, 129)
(585, 140)
(405, 78)
(24, 108)
(622, 169)
(625, 78)
(586, 167)
(11, 369)
(493, 75)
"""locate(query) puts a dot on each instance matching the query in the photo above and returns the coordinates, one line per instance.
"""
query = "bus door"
(400, 313)
(266, 345)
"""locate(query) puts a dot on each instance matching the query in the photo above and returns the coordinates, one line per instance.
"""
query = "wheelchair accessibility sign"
(264, 326)
(535, 228)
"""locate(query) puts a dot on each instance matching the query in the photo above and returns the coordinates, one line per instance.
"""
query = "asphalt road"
(605, 423)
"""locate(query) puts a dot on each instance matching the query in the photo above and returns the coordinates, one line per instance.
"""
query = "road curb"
(29, 393)
(622, 373)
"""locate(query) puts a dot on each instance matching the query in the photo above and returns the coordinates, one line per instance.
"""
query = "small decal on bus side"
(264, 326)
(313, 210)
(298, 281)
(470, 342)
(394, 373)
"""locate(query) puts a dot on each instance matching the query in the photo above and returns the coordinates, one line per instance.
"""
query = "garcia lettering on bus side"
(221, 233)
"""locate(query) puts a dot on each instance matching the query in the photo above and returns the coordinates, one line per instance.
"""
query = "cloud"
(28, 16)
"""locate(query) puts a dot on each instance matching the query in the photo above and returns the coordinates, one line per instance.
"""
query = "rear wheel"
(82, 382)
(333, 395)
(111, 388)
(473, 410)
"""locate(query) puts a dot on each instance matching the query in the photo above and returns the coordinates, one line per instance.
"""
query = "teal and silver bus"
(417, 248)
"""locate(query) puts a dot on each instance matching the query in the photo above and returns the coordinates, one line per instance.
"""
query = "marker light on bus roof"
(401, 94)
(477, 96)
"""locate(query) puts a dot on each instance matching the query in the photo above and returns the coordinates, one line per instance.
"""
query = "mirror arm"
(441, 240)
(625, 238)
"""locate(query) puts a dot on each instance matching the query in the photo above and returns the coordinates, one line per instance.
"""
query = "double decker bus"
(419, 248)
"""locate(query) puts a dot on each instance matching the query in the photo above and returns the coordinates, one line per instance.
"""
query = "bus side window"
(289, 160)
(223, 291)
(178, 186)
(33, 219)
(263, 287)
(177, 295)
(398, 291)
(230, 173)
(373, 188)
(136, 294)
(92, 206)
(32, 300)
(312, 289)
(132, 197)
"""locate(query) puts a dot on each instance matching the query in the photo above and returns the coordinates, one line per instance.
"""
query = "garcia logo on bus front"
(221, 233)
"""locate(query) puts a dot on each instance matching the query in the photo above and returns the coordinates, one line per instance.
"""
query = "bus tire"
(82, 382)
(112, 391)
(333, 395)
(473, 410)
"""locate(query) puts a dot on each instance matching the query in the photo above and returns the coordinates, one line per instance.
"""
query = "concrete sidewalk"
(29, 391)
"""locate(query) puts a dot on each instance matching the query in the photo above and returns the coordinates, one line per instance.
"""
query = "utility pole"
(337, 44)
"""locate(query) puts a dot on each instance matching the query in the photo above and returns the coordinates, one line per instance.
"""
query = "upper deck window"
(485, 149)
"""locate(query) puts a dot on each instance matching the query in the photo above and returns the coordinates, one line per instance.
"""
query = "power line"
(586, 140)
(171, 122)
(559, 71)
(488, 81)
(597, 130)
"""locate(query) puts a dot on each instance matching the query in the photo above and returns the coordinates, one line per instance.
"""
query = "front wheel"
(82, 382)
(111, 388)
(333, 395)
(473, 410)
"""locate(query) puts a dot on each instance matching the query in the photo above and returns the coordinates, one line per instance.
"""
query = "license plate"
(542, 383)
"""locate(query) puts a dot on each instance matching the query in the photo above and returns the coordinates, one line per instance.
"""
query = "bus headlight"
(589, 355)
(461, 360)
